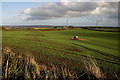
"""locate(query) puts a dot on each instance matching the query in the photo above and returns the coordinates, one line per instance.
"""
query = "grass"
(17, 66)
(56, 47)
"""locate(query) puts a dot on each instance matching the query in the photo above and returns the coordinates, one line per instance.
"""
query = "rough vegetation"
(16, 66)
(56, 48)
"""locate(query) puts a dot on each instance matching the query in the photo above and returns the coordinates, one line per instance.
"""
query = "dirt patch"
(77, 39)
(82, 39)
(5, 37)
(75, 50)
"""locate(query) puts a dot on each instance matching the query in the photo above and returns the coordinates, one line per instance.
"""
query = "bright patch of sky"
(58, 0)
(56, 13)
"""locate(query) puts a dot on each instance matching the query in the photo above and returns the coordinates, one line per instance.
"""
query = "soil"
(76, 50)
(78, 39)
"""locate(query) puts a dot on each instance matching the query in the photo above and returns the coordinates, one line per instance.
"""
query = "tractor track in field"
(79, 54)
(84, 56)
(103, 53)
(100, 45)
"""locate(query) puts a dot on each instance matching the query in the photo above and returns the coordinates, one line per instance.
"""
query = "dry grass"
(17, 66)
(92, 67)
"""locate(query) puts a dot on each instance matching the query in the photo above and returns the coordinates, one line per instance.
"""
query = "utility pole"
(67, 22)
(96, 22)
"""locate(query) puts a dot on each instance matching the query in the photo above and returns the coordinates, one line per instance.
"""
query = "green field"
(56, 47)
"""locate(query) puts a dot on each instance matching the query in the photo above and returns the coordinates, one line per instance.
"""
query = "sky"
(57, 12)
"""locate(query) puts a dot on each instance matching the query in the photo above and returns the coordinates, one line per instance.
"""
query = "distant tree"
(3, 28)
(30, 29)
(55, 27)
(70, 27)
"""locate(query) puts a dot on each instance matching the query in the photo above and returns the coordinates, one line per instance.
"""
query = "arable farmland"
(57, 47)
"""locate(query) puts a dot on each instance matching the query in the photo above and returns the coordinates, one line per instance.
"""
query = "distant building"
(58, 27)
(38, 28)
(7, 28)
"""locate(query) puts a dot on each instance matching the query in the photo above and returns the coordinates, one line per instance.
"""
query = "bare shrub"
(92, 67)
(16, 67)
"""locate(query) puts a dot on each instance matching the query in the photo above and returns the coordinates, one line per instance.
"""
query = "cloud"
(46, 11)
(71, 9)
(27, 11)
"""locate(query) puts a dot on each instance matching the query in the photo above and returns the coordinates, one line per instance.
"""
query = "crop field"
(58, 48)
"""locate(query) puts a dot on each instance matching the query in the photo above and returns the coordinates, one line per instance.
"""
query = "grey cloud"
(81, 6)
(76, 9)
(47, 11)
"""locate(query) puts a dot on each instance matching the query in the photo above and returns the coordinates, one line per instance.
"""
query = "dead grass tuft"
(92, 67)
(16, 66)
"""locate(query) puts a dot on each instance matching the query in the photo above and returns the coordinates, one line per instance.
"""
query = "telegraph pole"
(67, 22)
(96, 22)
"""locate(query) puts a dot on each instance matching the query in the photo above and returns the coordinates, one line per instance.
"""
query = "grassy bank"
(17, 66)
(56, 47)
